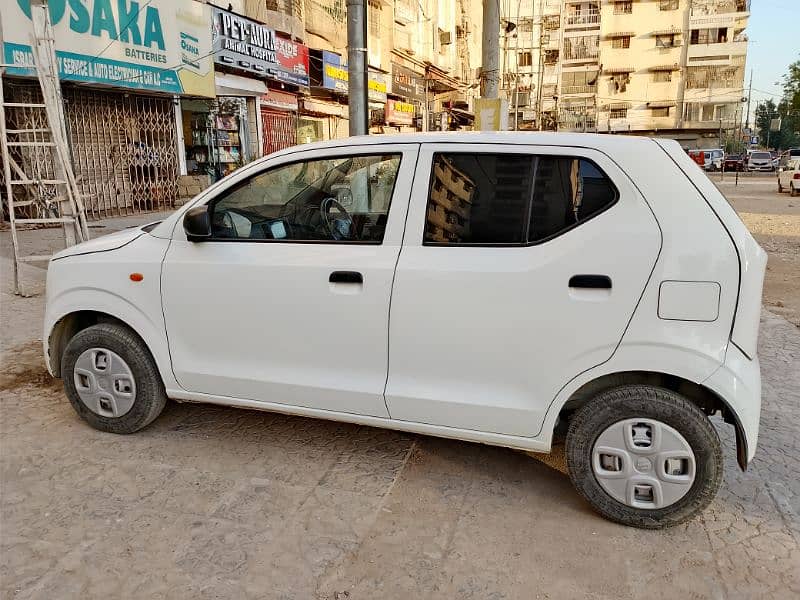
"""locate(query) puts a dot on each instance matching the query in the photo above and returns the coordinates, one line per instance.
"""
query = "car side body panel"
(100, 281)
(484, 337)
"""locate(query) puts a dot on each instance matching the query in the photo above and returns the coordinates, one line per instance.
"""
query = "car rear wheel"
(644, 456)
(111, 379)
(792, 191)
(780, 187)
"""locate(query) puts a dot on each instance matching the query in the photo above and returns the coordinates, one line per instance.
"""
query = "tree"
(791, 87)
(787, 136)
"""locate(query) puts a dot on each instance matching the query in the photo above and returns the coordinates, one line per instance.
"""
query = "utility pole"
(490, 49)
(749, 95)
(357, 66)
(685, 38)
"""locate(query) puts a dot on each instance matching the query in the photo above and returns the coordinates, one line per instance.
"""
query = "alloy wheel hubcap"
(643, 463)
(104, 382)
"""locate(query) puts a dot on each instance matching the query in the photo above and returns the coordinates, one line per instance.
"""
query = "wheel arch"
(701, 396)
(69, 322)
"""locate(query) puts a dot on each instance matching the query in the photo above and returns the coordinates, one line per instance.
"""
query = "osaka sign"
(160, 45)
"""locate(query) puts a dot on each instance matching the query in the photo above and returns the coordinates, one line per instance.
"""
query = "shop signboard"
(159, 46)
(407, 83)
(247, 45)
(278, 100)
(334, 77)
(399, 113)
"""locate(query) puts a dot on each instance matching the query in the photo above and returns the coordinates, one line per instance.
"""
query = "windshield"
(760, 155)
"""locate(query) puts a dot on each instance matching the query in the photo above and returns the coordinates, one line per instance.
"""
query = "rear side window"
(511, 199)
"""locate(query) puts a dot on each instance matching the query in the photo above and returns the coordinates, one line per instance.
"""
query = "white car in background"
(759, 160)
(495, 288)
(789, 177)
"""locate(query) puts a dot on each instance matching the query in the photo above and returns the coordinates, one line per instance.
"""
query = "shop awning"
(235, 85)
(661, 104)
(673, 67)
(464, 116)
(618, 70)
(439, 81)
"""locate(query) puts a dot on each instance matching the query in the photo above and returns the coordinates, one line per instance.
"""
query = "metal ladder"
(66, 203)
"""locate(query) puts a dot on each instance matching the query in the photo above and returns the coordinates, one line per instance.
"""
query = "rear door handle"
(346, 277)
(598, 282)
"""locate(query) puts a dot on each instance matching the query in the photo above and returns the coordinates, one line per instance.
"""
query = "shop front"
(278, 120)
(408, 88)
(329, 80)
(121, 100)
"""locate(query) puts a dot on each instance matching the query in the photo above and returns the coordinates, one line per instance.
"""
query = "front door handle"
(597, 282)
(346, 277)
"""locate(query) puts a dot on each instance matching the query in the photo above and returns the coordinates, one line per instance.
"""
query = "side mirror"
(197, 223)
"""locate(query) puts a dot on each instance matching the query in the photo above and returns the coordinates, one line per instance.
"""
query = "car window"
(341, 199)
(478, 198)
(567, 191)
(511, 199)
(761, 155)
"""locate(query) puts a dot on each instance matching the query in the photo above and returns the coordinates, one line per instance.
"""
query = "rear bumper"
(738, 383)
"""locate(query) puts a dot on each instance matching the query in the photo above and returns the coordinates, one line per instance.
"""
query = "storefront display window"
(215, 133)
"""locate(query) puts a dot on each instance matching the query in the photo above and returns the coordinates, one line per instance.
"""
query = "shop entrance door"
(280, 130)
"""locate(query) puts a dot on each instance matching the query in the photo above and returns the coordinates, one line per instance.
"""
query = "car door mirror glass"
(197, 224)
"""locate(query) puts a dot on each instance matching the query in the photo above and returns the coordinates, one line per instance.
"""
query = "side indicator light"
(136, 277)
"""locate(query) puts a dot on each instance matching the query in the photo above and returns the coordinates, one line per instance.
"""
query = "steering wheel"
(340, 227)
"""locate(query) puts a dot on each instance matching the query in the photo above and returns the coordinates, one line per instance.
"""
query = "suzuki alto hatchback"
(496, 288)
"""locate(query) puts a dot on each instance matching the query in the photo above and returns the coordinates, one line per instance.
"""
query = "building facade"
(671, 68)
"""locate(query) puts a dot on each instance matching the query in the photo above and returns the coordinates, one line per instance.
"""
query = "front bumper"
(738, 383)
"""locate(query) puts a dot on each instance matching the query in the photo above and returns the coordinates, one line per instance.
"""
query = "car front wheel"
(644, 456)
(111, 379)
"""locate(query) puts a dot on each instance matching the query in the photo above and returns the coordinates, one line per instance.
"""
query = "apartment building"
(650, 67)
(672, 67)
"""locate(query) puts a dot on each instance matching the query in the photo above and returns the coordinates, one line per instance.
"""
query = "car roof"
(542, 138)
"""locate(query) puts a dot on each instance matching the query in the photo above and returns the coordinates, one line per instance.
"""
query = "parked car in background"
(733, 162)
(698, 156)
(760, 160)
(788, 155)
(789, 177)
(591, 286)
(713, 158)
(775, 158)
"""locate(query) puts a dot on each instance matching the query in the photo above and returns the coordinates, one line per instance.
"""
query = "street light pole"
(357, 66)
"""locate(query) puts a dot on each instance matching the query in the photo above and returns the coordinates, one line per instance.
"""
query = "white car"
(760, 161)
(496, 288)
(789, 177)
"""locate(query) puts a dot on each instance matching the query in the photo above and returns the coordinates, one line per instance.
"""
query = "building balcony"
(713, 125)
(578, 90)
(582, 19)
(700, 53)
(581, 56)
(717, 93)
(721, 13)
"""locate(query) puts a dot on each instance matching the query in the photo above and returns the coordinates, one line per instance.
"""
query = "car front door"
(520, 269)
(288, 301)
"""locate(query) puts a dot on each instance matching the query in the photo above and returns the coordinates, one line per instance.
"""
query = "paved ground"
(221, 503)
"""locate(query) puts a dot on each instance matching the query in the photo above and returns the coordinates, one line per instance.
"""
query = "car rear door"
(271, 310)
(518, 272)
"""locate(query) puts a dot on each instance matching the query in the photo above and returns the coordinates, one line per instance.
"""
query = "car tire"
(792, 191)
(111, 379)
(669, 414)
(780, 187)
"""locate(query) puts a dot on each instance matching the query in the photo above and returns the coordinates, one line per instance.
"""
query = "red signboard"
(293, 57)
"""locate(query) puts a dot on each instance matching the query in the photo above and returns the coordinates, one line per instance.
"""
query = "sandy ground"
(213, 502)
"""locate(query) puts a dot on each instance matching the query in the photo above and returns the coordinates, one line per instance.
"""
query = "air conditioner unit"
(445, 37)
